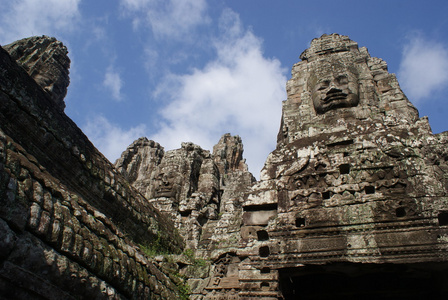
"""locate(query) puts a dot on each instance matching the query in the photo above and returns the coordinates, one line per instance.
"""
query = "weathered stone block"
(258, 217)
(67, 239)
(44, 224)
(35, 212)
(7, 239)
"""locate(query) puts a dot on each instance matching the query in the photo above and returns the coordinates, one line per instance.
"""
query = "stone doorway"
(365, 281)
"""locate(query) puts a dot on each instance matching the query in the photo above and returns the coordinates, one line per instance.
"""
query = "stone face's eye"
(342, 79)
(322, 85)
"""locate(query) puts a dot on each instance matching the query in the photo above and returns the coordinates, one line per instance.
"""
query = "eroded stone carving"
(46, 61)
(337, 82)
(168, 182)
(333, 85)
(189, 184)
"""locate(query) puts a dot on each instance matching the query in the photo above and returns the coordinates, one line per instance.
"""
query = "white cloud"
(112, 82)
(424, 68)
(109, 138)
(135, 5)
(24, 18)
(239, 92)
(168, 18)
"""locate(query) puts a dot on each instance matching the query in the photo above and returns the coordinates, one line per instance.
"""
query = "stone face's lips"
(164, 191)
(335, 97)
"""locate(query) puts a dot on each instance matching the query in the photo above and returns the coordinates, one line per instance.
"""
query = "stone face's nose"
(333, 90)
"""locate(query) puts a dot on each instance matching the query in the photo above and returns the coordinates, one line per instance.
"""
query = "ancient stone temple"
(352, 203)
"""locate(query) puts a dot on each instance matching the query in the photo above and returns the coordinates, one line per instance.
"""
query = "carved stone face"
(167, 183)
(334, 88)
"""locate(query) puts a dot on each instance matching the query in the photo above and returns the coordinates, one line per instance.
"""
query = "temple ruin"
(352, 203)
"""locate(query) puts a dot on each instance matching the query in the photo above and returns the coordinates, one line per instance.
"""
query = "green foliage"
(184, 290)
(197, 262)
(189, 253)
(200, 262)
(155, 248)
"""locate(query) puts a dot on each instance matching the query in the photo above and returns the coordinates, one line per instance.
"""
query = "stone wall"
(72, 225)
(55, 245)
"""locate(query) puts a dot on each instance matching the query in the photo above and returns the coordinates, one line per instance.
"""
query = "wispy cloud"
(113, 83)
(424, 68)
(110, 138)
(239, 92)
(24, 18)
(167, 18)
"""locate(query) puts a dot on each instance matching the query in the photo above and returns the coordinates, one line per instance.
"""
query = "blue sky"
(192, 70)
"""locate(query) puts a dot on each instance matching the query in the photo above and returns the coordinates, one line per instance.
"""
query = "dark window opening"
(265, 270)
(264, 286)
(443, 218)
(400, 212)
(300, 222)
(264, 251)
(272, 206)
(369, 189)
(344, 169)
(341, 143)
(262, 235)
(185, 213)
(326, 195)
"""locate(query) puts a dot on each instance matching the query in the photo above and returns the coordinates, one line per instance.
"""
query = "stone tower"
(353, 199)
(196, 189)
(46, 60)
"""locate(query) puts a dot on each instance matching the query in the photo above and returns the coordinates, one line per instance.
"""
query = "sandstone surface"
(353, 200)
(72, 226)
(355, 192)
(190, 185)
(46, 61)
